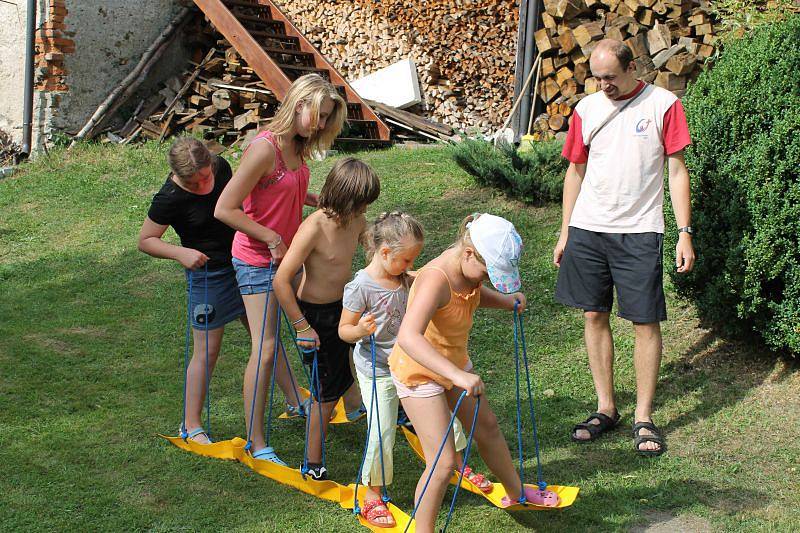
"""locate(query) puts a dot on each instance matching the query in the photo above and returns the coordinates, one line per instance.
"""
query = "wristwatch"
(686, 229)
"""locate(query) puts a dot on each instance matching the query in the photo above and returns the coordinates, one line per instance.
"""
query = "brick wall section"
(52, 43)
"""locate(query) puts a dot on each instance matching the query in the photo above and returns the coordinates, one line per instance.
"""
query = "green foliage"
(744, 115)
(535, 176)
(740, 16)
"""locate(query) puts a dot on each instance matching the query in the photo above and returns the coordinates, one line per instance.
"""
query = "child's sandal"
(196, 433)
(374, 509)
(478, 480)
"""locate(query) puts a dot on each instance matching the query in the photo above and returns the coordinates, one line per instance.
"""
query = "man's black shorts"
(333, 356)
(594, 263)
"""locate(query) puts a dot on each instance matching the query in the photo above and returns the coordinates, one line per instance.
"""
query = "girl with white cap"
(430, 364)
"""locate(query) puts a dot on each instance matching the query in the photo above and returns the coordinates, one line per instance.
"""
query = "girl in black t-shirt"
(186, 202)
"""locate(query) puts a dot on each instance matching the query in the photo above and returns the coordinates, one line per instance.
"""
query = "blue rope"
(297, 348)
(464, 464)
(522, 498)
(540, 477)
(249, 444)
(208, 374)
(315, 394)
(373, 410)
(268, 432)
(184, 432)
(436, 459)
(291, 374)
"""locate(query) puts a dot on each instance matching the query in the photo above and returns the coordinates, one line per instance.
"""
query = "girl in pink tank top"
(264, 202)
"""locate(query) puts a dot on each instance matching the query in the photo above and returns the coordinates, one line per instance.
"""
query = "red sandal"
(478, 480)
(373, 509)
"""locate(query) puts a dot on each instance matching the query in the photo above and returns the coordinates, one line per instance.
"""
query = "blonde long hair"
(310, 90)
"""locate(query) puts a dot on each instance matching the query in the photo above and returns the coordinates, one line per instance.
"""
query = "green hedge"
(744, 116)
(535, 176)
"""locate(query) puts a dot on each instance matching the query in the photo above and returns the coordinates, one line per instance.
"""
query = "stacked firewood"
(465, 50)
(218, 97)
(670, 40)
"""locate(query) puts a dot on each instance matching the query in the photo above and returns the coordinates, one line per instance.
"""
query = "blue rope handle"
(373, 410)
(249, 444)
(316, 395)
(438, 455)
(298, 349)
(208, 374)
(522, 498)
(540, 477)
(464, 464)
(268, 431)
(289, 369)
(184, 432)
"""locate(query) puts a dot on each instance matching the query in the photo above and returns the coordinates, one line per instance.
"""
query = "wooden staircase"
(278, 53)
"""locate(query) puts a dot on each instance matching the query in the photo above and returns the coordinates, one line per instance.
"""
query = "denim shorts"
(214, 299)
(253, 279)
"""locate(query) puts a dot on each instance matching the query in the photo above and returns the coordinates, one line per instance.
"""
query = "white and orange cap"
(500, 246)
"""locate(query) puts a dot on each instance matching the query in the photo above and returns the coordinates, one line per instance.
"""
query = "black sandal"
(595, 430)
(656, 437)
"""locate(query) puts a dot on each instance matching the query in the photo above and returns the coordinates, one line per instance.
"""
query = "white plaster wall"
(12, 66)
(110, 37)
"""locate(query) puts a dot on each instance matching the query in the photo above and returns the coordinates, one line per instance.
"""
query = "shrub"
(744, 116)
(535, 176)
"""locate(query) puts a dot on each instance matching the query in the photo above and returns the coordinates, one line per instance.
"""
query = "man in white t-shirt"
(619, 141)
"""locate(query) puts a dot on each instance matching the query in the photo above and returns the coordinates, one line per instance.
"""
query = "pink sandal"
(545, 498)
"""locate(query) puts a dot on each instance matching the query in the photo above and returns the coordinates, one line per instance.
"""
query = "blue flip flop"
(268, 454)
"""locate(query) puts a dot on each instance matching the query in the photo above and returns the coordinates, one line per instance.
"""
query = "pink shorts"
(423, 390)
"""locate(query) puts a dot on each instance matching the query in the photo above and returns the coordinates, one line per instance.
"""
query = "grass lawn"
(91, 348)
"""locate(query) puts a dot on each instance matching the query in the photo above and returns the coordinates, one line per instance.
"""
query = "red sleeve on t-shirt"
(574, 149)
(676, 131)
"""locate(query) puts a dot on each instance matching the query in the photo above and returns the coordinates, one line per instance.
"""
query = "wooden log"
(545, 40)
(569, 9)
(591, 85)
(557, 122)
(681, 64)
(569, 87)
(581, 72)
(547, 67)
(646, 17)
(659, 38)
(638, 45)
(563, 74)
(567, 41)
(670, 81)
(548, 89)
(588, 32)
(661, 58)
(221, 99)
(703, 29)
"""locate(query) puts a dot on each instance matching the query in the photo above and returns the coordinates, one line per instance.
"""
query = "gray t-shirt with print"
(388, 307)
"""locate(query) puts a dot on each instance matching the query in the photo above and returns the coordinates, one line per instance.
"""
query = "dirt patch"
(89, 331)
(661, 522)
(49, 343)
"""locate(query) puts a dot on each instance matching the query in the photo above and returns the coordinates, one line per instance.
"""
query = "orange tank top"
(448, 332)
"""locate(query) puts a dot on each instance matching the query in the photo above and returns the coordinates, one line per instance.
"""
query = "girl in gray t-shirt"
(374, 303)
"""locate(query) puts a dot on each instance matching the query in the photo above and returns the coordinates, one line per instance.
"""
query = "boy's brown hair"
(350, 185)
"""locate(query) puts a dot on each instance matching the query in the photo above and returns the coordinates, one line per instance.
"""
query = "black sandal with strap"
(606, 423)
(656, 437)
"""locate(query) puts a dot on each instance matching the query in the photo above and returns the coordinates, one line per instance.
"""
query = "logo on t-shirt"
(641, 127)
